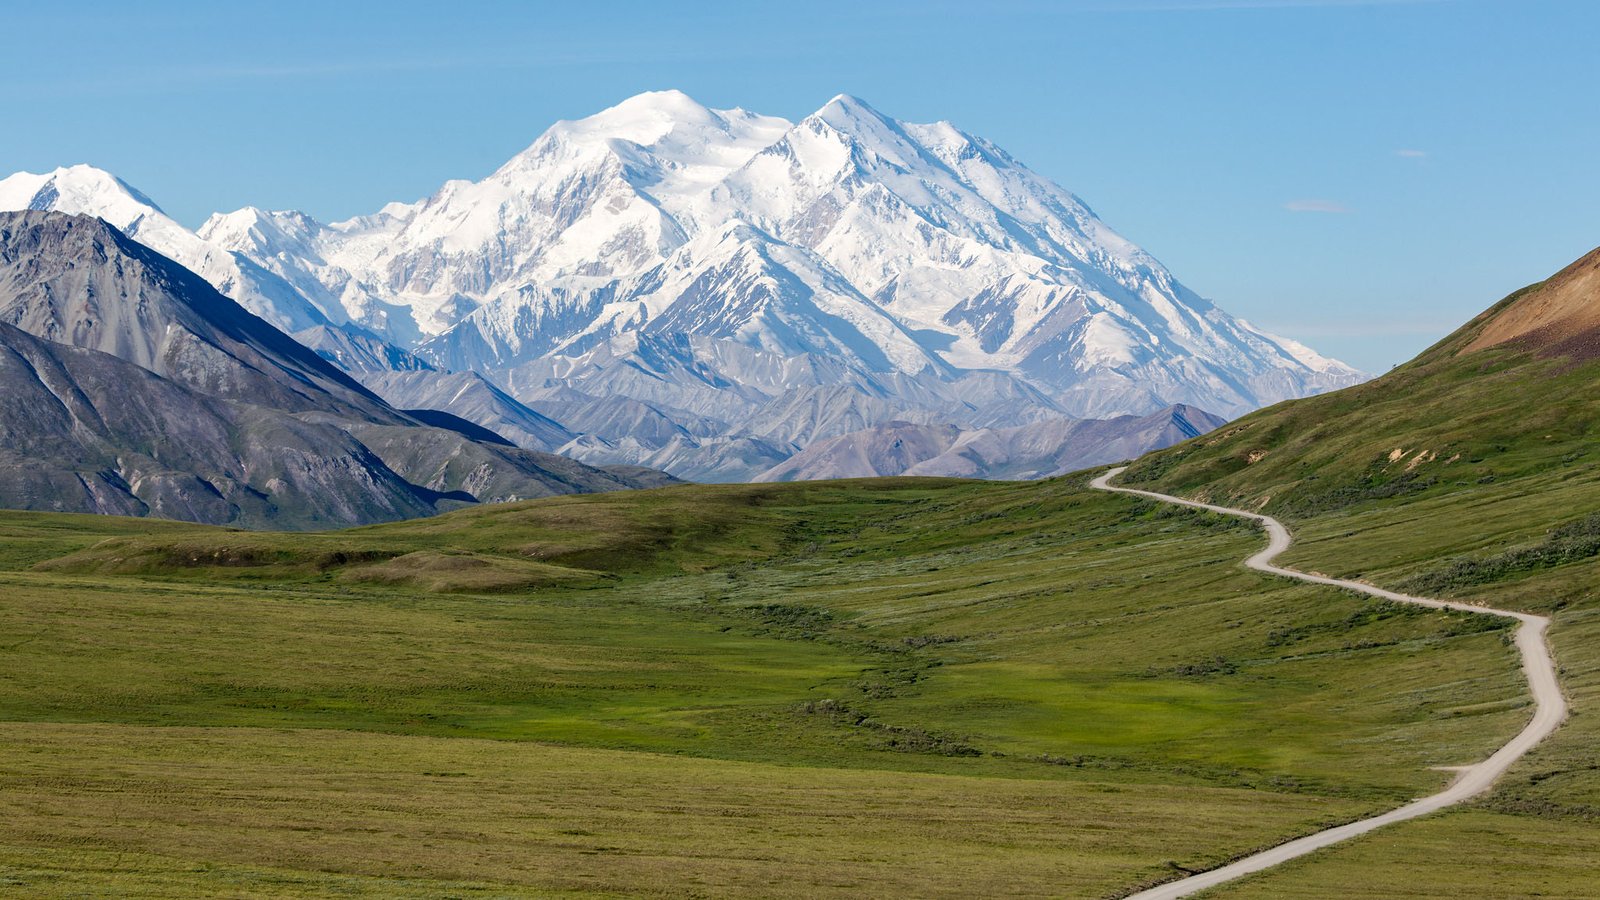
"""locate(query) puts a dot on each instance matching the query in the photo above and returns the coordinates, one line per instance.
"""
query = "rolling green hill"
(1511, 394)
(1471, 472)
(903, 686)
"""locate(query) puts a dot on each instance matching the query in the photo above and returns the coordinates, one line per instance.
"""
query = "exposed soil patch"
(1558, 318)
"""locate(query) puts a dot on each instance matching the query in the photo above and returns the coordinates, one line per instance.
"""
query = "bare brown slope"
(1558, 317)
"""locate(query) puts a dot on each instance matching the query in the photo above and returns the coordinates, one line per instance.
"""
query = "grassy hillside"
(1474, 409)
(1471, 472)
(904, 686)
(1536, 833)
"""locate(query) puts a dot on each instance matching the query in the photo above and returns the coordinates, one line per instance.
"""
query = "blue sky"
(1358, 174)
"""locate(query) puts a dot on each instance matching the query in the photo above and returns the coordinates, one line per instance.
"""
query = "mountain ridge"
(1042, 449)
(135, 388)
(1010, 271)
(735, 267)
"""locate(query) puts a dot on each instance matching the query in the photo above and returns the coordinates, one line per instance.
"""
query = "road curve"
(1537, 665)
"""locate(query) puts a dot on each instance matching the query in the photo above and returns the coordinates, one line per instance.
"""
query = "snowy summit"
(727, 267)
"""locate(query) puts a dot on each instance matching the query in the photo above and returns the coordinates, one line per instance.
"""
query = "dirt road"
(1537, 664)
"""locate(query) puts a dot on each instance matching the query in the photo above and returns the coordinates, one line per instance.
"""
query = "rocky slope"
(133, 387)
(1557, 317)
(1038, 450)
(85, 431)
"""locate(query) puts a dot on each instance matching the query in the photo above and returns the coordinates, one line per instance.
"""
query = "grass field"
(1538, 833)
(1474, 476)
(365, 812)
(929, 687)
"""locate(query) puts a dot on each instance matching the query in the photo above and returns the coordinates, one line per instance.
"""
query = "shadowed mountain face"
(474, 398)
(1515, 391)
(76, 280)
(85, 431)
(357, 351)
(1038, 450)
(133, 387)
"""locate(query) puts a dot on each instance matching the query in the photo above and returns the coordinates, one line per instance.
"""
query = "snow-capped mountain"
(271, 284)
(788, 281)
(292, 247)
(85, 190)
(904, 247)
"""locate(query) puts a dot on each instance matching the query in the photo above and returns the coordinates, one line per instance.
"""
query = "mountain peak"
(251, 226)
(245, 217)
(670, 99)
(81, 189)
(847, 101)
(845, 111)
(656, 137)
(859, 123)
(643, 118)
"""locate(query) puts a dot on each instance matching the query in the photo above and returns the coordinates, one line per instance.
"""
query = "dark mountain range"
(134, 387)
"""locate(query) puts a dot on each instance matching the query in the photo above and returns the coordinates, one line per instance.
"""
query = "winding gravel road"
(1537, 665)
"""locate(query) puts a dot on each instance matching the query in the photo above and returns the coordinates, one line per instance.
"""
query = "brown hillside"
(1560, 317)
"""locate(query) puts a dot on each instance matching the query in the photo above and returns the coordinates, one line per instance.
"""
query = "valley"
(698, 688)
(461, 468)
(905, 638)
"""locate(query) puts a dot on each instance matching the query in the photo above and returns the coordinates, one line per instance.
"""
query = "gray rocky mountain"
(1037, 450)
(474, 398)
(133, 387)
(84, 431)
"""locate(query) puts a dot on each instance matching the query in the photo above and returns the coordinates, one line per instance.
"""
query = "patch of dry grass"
(527, 817)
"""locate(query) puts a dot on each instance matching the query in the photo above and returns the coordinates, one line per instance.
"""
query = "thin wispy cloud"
(1316, 206)
(1407, 153)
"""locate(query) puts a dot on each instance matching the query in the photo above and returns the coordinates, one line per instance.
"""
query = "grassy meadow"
(1538, 832)
(1465, 475)
(930, 688)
